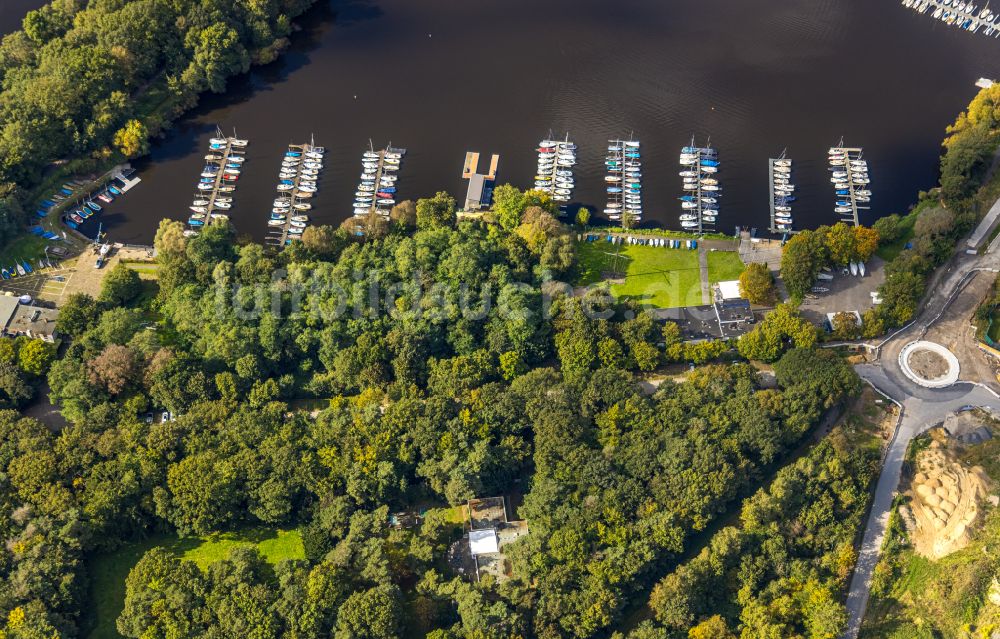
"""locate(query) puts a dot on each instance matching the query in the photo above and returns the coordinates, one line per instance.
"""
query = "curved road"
(922, 409)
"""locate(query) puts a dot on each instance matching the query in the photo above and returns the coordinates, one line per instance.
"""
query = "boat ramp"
(850, 181)
(965, 16)
(213, 195)
(379, 176)
(297, 185)
(782, 192)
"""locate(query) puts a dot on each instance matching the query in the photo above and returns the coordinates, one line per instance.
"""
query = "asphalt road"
(922, 409)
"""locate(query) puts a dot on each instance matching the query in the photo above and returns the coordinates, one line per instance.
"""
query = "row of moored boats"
(379, 177)
(699, 173)
(217, 183)
(554, 175)
(624, 181)
(964, 15)
(783, 192)
(849, 176)
(298, 182)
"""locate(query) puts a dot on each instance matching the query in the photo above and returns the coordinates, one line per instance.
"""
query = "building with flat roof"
(17, 318)
(480, 193)
(489, 532)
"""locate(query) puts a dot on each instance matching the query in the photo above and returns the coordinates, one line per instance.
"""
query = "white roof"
(483, 542)
(730, 290)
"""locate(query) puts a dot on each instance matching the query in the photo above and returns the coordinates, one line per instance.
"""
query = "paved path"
(922, 409)
(706, 296)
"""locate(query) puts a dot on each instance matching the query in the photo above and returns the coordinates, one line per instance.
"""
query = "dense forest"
(462, 376)
(93, 81)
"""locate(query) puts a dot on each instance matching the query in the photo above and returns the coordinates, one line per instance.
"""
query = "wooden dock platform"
(284, 234)
(222, 186)
(852, 154)
(388, 161)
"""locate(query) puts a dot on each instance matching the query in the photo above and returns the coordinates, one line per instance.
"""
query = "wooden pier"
(223, 184)
(388, 161)
(699, 193)
(299, 202)
(779, 200)
(971, 18)
(851, 155)
(480, 192)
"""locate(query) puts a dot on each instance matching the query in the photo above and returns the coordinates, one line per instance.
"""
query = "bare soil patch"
(946, 502)
(928, 364)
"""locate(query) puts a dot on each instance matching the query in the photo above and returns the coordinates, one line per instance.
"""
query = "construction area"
(480, 551)
(946, 498)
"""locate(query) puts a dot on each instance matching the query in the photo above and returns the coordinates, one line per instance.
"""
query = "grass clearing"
(888, 252)
(653, 276)
(25, 247)
(724, 266)
(109, 571)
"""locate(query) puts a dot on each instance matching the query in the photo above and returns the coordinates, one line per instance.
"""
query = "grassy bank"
(109, 571)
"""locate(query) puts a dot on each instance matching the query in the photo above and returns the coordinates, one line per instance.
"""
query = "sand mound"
(945, 504)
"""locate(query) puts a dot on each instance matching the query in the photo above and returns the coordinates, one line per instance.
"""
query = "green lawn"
(108, 572)
(654, 276)
(724, 266)
(889, 251)
(24, 247)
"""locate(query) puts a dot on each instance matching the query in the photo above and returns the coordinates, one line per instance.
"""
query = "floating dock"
(379, 177)
(213, 198)
(779, 171)
(700, 202)
(556, 160)
(624, 180)
(480, 192)
(299, 181)
(968, 17)
(852, 187)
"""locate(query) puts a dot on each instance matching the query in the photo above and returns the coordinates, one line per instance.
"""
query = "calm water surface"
(441, 78)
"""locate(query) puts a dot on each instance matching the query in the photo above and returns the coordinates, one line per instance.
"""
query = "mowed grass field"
(654, 276)
(108, 572)
(724, 266)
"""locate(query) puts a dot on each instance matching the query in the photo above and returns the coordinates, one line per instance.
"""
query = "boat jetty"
(624, 180)
(850, 182)
(556, 160)
(298, 182)
(214, 194)
(377, 190)
(782, 193)
(700, 202)
(964, 15)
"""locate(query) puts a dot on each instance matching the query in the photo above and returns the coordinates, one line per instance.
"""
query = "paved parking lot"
(847, 293)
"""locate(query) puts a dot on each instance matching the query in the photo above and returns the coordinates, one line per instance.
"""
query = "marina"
(554, 176)
(849, 176)
(376, 191)
(666, 114)
(782, 192)
(214, 191)
(623, 164)
(700, 202)
(967, 16)
(297, 185)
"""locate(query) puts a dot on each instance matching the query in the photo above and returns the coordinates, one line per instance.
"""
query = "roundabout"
(929, 364)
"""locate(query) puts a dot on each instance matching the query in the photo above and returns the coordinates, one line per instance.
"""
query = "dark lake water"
(441, 77)
(12, 12)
